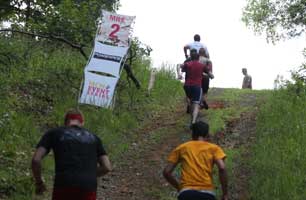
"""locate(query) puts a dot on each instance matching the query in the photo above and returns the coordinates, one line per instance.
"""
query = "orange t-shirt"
(197, 159)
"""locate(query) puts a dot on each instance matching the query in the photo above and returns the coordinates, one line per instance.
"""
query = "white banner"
(110, 49)
(107, 59)
(115, 29)
(98, 90)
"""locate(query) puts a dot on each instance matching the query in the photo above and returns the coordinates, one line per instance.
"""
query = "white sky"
(167, 25)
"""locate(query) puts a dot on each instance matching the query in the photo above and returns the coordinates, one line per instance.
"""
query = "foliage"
(73, 20)
(277, 18)
(278, 160)
(299, 75)
(298, 78)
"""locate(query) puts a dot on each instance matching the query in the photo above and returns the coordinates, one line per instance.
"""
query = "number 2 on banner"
(116, 28)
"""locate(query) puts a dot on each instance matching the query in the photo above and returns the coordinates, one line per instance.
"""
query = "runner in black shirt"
(76, 154)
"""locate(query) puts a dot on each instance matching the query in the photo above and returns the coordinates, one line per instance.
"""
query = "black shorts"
(194, 93)
(205, 84)
(195, 195)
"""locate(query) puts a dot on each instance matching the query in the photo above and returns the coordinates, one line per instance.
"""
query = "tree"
(73, 20)
(278, 19)
(67, 21)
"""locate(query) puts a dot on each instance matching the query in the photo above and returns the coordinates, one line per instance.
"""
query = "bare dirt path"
(139, 171)
(138, 175)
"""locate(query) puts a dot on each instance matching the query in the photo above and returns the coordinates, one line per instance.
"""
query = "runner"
(76, 153)
(196, 44)
(203, 58)
(193, 81)
(197, 158)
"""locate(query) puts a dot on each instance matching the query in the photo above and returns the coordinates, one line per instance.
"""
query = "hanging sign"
(98, 90)
(115, 29)
(107, 59)
(108, 56)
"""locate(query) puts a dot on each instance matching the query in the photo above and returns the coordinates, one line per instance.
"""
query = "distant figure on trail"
(77, 152)
(247, 80)
(197, 158)
(203, 58)
(193, 83)
(196, 44)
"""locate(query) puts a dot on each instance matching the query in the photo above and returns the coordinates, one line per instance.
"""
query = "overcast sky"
(167, 25)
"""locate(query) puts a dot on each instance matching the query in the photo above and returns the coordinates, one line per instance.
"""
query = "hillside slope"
(35, 99)
(141, 131)
(138, 172)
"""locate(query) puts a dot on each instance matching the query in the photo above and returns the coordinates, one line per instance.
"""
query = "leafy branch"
(79, 47)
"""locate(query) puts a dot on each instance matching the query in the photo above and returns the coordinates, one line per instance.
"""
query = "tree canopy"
(73, 20)
(278, 19)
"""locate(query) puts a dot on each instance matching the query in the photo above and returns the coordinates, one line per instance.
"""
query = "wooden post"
(178, 72)
(151, 81)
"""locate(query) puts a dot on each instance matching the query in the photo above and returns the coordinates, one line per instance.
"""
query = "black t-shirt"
(76, 153)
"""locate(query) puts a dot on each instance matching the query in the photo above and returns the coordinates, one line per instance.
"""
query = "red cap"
(78, 117)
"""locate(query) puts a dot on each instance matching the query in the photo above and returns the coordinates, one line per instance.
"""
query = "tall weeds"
(279, 155)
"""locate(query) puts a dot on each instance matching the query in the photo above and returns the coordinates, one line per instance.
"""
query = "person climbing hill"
(196, 44)
(193, 83)
(203, 58)
(197, 158)
(77, 153)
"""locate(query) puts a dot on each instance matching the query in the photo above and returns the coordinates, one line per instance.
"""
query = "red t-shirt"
(194, 73)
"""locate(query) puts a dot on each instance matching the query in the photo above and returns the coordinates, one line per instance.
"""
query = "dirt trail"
(240, 135)
(140, 168)
(139, 174)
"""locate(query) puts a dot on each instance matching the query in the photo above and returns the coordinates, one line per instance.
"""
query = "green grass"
(279, 161)
(236, 102)
(233, 100)
(218, 119)
(232, 95)
(231, 157)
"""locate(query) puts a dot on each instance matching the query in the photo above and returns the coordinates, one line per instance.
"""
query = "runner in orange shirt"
(197, 158)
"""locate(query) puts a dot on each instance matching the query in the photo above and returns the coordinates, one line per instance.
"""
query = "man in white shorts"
(195, 45)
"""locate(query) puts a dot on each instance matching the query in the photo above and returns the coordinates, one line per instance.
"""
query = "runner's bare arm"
(208, 73)
(169, 177)
(36, 169)
(223, 177)
(104, 165)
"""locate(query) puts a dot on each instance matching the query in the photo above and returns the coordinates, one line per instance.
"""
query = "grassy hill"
(39, 84)
(37, 89)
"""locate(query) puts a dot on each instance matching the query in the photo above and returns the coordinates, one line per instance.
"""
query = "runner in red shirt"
(193, 83)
